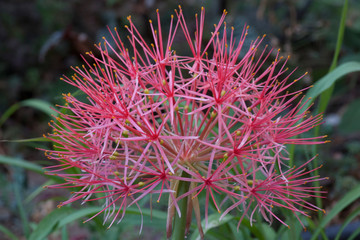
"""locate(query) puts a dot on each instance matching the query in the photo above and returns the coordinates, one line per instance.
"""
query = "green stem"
(180, 222)
(326, 95)
(291, 155)
(23, 214)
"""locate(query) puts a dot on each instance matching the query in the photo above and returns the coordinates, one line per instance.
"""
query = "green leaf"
(213, 222)
(353, 215)
(329, 79)
(349, 198)
(77, 214)
(83, 212)
(326, 95)
(64, 233)
(21, 163)
(48, 224)
(282, 232)
(354, 234)
(28, 140)
(60, 217)
(38, 104)
(254, 228)
(17, 189)
(27, 165)
(38, 190)
(8, 233)
(268, 231)
(238, 234)
(329, 84)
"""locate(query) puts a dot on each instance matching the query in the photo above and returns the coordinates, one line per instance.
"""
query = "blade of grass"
(60, 217)
(26, 165)
(236, 234)
(64, 233)
(93, 210)
(324, 88)
(213, 222)
(253, 228)
(329, 79)
(321, 86)
(326, 95)
(354, 234)
(38, 104)
(8, 233)
(349, 198)
(21, 209)
(38, 191)
(38, 139)
(48, 223)
(21, 163)
(353, 215)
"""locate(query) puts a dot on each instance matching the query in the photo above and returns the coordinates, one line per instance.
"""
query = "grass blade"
(326, 95)
(27, 165)
(60, 217)
(213, 221)
(48, 224)
(349, 198)
(38, 104)
(28, 140)
(354, 234)
(21, 163)
(353, 215)
(8, 233)
(21, 208)
(37, 191)
(329, 79)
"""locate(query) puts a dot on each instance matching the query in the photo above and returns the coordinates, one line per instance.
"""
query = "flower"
(216, 123)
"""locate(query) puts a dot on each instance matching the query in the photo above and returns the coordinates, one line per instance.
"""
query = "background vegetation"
(41, 39)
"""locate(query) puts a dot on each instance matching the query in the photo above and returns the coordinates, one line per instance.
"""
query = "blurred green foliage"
(41, 39)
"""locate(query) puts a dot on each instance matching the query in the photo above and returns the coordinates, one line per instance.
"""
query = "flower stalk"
(180, 221)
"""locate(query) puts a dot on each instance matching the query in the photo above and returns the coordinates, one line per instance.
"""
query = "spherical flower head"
(216, 121)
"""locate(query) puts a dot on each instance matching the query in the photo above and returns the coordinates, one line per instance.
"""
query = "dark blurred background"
(41, 39)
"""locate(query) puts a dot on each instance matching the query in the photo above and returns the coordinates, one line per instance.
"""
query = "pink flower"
(219, 120)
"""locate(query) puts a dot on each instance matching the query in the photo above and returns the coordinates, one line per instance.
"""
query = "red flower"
(219, 119)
